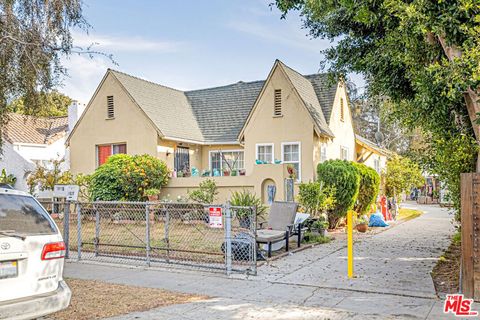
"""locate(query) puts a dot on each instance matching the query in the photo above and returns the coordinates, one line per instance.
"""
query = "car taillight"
(53, 250)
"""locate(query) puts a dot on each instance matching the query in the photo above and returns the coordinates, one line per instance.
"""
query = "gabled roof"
(168, 108)
(29, 129)
(325, 89)
(217, 115)
(307, 92)
(371, 145)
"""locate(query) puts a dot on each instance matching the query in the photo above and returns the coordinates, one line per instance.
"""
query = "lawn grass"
(408, 214)
(98, 300)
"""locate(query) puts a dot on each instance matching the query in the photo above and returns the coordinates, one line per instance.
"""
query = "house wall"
(255, 183)
(17, 165)
(295, 125)
(343, 130)
(129, 126)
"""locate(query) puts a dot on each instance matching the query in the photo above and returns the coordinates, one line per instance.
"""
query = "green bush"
(126, 177)
(7, 178)
(369, 187)
(344, 177)
(206, 192)
(245, 198)
(316, 198)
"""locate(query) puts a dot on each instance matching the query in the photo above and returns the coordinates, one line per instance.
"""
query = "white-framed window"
(264, 152)
(376, 165)
(106, 150)
(225, 160)
(291, 153)
(344, 153)
(323, 152)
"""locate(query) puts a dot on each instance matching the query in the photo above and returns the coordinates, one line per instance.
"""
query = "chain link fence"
(220, 237)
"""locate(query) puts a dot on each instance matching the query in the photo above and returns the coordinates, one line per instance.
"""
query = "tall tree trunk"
(471, 96)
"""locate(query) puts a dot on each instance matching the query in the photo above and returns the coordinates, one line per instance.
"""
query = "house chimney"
(75, 111)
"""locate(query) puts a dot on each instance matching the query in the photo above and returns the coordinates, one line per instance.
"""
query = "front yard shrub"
(316, 198)
(245, 198)
(343, 176)
(126, 177)
(7, 178)
(369, 186)
(206, 193)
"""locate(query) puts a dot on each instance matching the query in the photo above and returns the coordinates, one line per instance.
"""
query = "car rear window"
(24, 215)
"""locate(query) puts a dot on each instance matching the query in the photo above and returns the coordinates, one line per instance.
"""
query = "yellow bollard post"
(350, 243)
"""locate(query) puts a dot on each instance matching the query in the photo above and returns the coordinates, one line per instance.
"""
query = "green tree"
(53, 103)
(34, 36)
(343, 177)
(368, 190)
(127, 177)
(401, 175)
(422, 56)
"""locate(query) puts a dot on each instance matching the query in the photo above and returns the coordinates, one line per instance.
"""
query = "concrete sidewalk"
(393, 280)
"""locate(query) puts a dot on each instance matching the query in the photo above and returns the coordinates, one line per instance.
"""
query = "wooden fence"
(470, 200)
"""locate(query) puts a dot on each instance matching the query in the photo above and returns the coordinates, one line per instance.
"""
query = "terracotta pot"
(226, 173)
(362, 227)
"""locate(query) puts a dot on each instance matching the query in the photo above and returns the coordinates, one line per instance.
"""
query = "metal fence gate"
(159, 234)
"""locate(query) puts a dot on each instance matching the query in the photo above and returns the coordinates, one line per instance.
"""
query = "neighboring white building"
(31, 141)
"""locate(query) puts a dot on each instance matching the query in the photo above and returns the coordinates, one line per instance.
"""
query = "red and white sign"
(459, 306)
(215, 217)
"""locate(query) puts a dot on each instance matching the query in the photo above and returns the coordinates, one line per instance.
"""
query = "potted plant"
(152, 194)
(362, 225)
(226, 172)
(244, 199)
(319, 227)
(234, 173)
(242, 172)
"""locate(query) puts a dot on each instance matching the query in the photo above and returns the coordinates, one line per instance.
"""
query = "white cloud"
(125, 44)
(84, 76)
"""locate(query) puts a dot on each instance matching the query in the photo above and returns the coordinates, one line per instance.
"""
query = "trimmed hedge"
(125, 177)
(344, 177)
(369, 187)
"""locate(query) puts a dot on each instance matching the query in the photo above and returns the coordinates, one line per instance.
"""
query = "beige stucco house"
(244, 134)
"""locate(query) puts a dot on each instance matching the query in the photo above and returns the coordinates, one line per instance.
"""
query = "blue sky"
(190, 44)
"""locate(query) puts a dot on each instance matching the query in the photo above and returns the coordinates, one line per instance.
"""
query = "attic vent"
(277, 107)
(342, 112)
(110, 108)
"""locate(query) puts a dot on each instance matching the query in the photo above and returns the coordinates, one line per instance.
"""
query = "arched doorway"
(265, 185)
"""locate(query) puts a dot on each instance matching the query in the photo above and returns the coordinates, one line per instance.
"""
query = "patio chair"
(280, 225)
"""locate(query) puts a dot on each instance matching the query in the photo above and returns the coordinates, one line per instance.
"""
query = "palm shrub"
(126, 177)
(245, 198)
(206, 192)
(344, 177)
(369, 187)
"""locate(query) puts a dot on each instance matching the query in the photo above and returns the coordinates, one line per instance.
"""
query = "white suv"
(32, 255)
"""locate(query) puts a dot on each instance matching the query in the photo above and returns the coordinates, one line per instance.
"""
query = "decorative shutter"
(103, 153)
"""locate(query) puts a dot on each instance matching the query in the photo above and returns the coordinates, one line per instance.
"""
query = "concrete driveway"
(393, 280)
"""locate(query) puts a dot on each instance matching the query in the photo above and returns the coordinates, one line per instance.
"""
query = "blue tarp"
(376, 220)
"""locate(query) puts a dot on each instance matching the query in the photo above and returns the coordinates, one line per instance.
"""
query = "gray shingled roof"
(325, 90)
(222, 111)
(216, 115)
(307, 93)
(168, 108)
